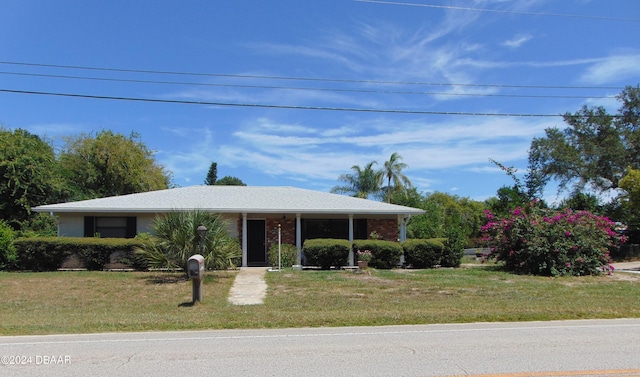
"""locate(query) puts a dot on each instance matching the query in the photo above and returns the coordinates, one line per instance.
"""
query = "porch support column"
(244, 240)
(403, 234)
(299, 239)
(351, 262)
(403, 228)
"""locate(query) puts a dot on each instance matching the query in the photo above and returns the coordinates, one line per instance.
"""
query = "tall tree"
(631, 184)
(110, 164)
(362, 183)
(595, 149)
(392, 171)
(27, 175)
(212, 175)
(630, 204)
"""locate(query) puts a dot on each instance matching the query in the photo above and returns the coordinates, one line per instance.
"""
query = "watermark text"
(35, 360)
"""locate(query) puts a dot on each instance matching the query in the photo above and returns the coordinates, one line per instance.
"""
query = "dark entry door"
(256, 243)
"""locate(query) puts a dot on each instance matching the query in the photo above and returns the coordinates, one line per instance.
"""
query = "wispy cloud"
(517, 41)
(303, 153)
(613, 69)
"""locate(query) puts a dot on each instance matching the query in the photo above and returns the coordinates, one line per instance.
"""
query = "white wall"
(72, 224)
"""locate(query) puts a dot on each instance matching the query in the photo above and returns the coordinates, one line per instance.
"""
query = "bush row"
(48, 253)
(423, 253)
(419, 253)
(288, 255)
(325, 252)
(384, 254)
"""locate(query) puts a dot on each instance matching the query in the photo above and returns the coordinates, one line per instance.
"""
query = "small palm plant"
(176, 239)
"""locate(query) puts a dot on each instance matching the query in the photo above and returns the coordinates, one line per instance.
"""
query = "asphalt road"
(558, 348)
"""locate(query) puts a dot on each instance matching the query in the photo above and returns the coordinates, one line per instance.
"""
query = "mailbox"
(195, 267)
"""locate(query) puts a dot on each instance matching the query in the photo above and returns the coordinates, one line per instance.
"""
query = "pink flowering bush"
(551, 243)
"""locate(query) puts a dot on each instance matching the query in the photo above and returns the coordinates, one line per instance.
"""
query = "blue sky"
(419, 69)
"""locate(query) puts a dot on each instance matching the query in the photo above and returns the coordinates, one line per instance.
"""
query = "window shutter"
(89, 226)
(131, 227)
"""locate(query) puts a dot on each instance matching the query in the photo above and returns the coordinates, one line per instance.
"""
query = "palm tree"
(362, 183)
(176, 239)
(393, 172)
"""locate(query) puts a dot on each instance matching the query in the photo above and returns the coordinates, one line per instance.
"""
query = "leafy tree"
(212, 175)
(629, 205)
(110, 164)
(508, 198)
(595, 149)
(392, 171)
(230, 181)
(7, 249)
(39, 225)
(443, 212)
(27, 175)
(177, 239)
(362, 183)
(631, 184)
(580, 201)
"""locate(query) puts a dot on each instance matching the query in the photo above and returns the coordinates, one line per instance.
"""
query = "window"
(333, 228)
(110, 227)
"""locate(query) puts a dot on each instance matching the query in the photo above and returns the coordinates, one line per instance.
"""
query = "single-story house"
(253, 212)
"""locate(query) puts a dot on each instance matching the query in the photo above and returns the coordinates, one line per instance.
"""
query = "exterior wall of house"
(287, 231)
(387, 229)
(70, 225)
(145, 223)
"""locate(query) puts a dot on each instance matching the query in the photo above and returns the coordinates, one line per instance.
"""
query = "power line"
(499, 11)
(374, 91)
(267, 106)
(291, 78)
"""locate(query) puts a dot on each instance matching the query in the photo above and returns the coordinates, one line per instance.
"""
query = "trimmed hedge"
(385, 254)
(423, 253)
(288, 255)
(326, 252)
(48, 253)
(453, 250)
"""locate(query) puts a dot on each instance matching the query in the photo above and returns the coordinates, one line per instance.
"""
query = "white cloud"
(517, 41)
(613, 69)
(327, 153)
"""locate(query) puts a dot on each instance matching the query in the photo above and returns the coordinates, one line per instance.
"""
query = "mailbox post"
(195, 270)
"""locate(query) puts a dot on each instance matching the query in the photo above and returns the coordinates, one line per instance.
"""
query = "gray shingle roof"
(233, 199)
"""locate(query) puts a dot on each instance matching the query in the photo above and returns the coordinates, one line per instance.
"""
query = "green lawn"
(83, 302)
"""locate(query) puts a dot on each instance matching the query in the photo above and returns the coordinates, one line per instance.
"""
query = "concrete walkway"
(627, 266)
(249, 287)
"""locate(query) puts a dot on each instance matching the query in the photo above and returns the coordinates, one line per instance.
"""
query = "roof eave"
(44, 209)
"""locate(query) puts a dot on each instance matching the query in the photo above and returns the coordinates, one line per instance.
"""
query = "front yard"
(84, 302)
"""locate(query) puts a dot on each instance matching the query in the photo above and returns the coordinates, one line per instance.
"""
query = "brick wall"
(387, 229)
(287, 231)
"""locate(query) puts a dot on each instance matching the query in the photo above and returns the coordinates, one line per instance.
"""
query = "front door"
(256, 243)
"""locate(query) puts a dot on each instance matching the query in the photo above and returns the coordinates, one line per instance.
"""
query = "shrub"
(7, 248)
(325, 252)
(288, 255)
(453, 248)
(551, 243)
(48, 253)
(385, 254)
(423, 253)
(177, 239)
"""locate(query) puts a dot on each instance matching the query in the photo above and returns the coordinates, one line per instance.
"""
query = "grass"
(86, 302)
